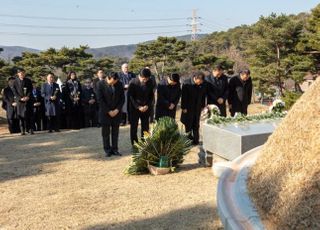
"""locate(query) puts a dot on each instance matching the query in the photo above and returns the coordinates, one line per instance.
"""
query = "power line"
(214, 24)
(88, 35)
(91, 19)
(87, 27)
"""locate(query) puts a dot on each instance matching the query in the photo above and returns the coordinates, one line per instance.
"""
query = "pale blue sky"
(125, 21)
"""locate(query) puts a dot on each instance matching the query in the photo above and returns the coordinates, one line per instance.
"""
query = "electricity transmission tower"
(194, 25)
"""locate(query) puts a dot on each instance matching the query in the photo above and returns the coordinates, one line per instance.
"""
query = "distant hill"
(115, 51)
(11, 51)
(126, 50)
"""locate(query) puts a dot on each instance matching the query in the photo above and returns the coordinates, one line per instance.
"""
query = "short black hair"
(146, 73)
(218, 67)
(11, 78)
(113, 75)
(175, 77)
(245, 71)
(19, 70)
(199, 75)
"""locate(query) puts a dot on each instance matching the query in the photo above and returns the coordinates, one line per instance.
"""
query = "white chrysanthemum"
(277, 106)
(214, 109)
(278, 102)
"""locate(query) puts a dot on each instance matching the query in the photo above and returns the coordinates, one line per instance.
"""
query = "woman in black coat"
(192, 102)
(73, 105)
(168, 96)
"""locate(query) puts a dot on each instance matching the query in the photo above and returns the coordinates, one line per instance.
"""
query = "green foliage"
(136, 64)
(58, 61)
(290, 98)
(164, 140)
(215, 119)
(163, 52)
(273, 52)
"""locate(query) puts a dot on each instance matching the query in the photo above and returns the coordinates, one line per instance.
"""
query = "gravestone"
(231, 140)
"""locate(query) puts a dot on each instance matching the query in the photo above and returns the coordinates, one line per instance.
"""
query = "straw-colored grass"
(285, 181)
(63, 181)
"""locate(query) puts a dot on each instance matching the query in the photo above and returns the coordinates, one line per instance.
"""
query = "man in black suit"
(169, 93)
(192, 102)
(240, 92)
(140, 97)
(217, 89)
(10, 106)
(100, 76)
(22, 89)
(110, 98)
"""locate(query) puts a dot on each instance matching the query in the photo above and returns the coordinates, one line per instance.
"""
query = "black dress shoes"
(116, 153)
(108, 152)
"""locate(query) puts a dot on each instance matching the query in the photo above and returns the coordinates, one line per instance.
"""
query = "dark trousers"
(26, 123)
(152, 112)
(134, 121)
(37, 120)
(13, 125)
(75, 117)
(105, 131)
(124, 117)
(53, 123)
(90, 119)
(193, 130)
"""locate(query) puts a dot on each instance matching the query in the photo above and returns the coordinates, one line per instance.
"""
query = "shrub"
(290, 98)
(165, 140)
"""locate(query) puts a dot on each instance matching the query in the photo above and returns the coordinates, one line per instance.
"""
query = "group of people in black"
(115, 99)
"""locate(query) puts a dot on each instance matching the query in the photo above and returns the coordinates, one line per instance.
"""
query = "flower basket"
(158, 170)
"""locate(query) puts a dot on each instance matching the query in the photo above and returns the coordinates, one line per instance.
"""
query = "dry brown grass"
(285, 181)
(63, 181)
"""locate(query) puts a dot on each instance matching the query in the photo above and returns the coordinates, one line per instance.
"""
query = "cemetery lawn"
(63, 181)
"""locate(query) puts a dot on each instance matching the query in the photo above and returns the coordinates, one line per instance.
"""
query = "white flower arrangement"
(277, 106)
(210, 111)
(213, 110)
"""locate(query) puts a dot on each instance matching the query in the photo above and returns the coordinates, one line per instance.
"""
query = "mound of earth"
(285, 181)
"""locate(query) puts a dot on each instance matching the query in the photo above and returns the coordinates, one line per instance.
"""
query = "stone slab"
(232, 140)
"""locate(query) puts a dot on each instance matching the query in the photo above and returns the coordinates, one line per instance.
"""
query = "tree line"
(276, 48)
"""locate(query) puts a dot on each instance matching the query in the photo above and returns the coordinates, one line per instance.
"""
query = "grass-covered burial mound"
(285, 181)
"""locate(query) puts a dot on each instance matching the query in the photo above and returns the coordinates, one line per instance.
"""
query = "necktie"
(112, 90)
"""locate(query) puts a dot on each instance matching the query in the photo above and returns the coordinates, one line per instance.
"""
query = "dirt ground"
(63, 181)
